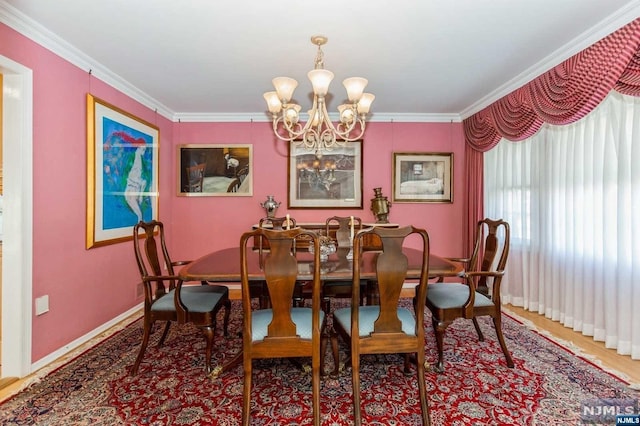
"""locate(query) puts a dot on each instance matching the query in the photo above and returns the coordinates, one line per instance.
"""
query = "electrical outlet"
(42, 304)
(139, 290)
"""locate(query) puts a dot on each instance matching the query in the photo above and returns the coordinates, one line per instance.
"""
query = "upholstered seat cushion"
(197, 298)
(453, 295)
(302, 318)
(367, 317)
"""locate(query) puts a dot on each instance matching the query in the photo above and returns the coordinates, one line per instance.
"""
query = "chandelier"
(319, 133)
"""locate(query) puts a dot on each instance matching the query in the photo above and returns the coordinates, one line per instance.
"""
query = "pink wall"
(87, 288)
(219, 221)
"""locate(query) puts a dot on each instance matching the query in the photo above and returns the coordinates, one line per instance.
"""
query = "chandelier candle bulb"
(288, 222)
(352, 230)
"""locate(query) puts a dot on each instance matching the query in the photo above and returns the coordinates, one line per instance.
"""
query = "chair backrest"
(277, 223)
(195, 177)
(490, 251)
(391, 269)
(280, 267)
(343, 233)
(151, 255)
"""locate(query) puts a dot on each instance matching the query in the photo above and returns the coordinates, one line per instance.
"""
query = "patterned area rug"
(547, 386)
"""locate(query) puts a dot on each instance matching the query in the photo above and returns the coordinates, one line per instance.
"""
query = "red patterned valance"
(563, 94)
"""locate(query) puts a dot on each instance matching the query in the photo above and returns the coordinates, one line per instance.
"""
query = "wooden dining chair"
(386, 328)
(259, 288)
(479, 293)
(341, 289)
(281, 331)
(165, 296)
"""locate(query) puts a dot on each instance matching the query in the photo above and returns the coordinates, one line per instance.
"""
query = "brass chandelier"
(319, 134)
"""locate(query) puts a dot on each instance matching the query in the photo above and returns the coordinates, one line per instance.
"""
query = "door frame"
(17, 246)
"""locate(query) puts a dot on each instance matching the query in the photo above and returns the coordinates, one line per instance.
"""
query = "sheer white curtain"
(572, 197)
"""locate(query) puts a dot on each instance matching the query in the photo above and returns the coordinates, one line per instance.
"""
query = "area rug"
(548, 386)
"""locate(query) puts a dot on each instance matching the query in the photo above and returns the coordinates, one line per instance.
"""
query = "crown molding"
(26, 26)
(605, 27)
(264, 117)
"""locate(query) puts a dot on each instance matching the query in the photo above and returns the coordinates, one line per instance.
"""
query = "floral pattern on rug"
(546, 387)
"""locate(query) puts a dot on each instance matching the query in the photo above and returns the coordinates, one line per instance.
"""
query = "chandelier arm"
(293, 133)
(345, 133)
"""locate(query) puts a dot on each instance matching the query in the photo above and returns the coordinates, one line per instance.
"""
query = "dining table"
(223, 266)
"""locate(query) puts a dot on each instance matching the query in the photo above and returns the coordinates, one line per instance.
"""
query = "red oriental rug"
(548, 386)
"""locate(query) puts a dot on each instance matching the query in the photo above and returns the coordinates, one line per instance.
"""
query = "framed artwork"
(215, 170)
(333, 181)
(122, 173)
(422, 177)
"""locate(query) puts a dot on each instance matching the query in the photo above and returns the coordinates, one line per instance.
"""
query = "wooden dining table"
(224, 266)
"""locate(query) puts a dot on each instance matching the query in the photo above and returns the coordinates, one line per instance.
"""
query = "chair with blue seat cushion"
(281, 330)
(479, 293)
(387, 328)
(165, 296)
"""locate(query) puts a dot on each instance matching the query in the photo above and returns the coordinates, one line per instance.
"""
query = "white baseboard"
(83, 339)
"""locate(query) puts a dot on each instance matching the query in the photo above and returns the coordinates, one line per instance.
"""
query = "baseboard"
(83, 339)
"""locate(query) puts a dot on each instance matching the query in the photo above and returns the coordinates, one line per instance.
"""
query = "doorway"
(16, 284)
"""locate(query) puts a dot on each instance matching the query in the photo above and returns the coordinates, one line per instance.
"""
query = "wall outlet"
(42, 304)
(139, 290)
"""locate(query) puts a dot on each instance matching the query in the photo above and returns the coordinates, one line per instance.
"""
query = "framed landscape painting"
(215, 170)
(422, 177)
(333, 181)
(122, 173)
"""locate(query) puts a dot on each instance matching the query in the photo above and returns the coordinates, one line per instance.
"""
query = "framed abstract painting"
(122, 173)
(422, 177)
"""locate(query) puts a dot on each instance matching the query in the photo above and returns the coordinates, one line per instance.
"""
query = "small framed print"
(333, 181)
(215, 170)
(422, 177)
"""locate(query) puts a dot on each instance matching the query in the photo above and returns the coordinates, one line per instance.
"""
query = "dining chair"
(343, 237)
(258, 288)
(479, 293)
(386, 328)
(282, 330)
(165, 296)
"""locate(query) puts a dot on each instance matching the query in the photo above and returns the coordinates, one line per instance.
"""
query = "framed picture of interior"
(122, 173)
(333, 181)
(422, 177)
(215, 170)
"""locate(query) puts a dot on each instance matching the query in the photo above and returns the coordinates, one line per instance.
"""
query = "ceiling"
(425, 60)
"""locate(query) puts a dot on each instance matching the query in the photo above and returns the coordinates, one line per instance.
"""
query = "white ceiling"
(426, 60)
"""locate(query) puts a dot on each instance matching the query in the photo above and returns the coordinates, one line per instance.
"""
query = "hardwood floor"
(608, 358)
(591, 350)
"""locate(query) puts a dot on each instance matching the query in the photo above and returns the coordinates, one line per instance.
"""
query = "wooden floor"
(608, 358)
(590, 349)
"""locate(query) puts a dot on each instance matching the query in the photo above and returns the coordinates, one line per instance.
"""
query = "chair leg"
(143, 346)
(164, 334)
(440, 328)
(422, 386)
(336, 354)
(315, 384)
(209, 333)
(497, 322)
(478, 330)
(355, 377)
(227, 314)
(246, 392)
